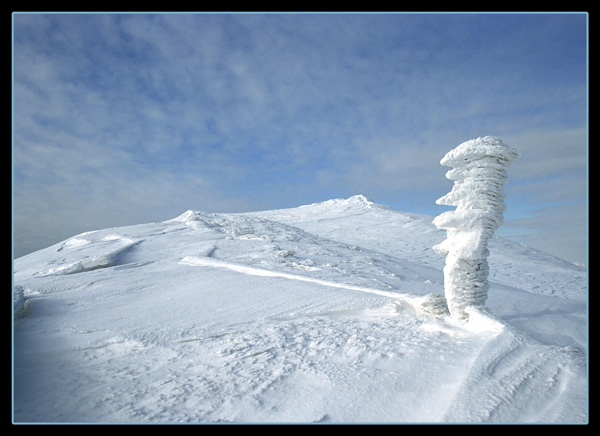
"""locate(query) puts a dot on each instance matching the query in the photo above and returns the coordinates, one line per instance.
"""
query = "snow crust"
(325, 313)
(480, 171)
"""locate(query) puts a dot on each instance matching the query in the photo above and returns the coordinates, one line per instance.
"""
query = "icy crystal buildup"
(479, 168)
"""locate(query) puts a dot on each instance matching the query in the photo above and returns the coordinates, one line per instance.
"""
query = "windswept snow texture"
(331, 312)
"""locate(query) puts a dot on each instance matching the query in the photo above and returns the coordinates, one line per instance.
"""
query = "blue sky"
(133, 118)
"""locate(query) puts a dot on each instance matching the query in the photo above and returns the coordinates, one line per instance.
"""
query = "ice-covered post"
(479, 173)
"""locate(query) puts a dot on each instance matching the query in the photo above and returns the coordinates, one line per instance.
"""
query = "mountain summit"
(330, 312)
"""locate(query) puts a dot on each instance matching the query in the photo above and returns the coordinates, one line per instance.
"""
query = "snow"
(480, 171)
(325, 313)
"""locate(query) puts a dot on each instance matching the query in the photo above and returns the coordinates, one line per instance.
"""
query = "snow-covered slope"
(331, 312)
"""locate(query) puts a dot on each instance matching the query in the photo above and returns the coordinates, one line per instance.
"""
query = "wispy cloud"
(141, 116)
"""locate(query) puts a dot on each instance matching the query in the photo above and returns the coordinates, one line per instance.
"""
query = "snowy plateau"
(326, 313)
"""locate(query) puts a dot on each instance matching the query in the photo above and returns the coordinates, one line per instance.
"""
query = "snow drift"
(331, 312)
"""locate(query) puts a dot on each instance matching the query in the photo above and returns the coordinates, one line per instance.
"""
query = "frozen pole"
(479, 173)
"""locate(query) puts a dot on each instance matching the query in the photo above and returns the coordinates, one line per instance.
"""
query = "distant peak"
(186, 216)
(355, 204)
(361, 199)
(355, 200)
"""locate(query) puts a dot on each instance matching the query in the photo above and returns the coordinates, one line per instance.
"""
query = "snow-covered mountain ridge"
(330, 312)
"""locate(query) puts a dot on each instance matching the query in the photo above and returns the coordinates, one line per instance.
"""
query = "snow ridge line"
(430, 304)
(243, 269)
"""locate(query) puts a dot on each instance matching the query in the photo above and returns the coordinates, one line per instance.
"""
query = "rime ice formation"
(479, 173)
